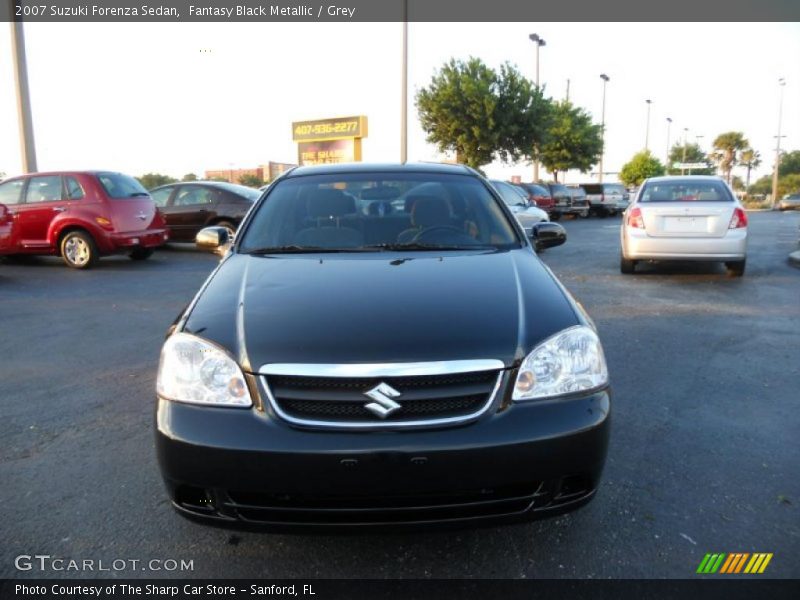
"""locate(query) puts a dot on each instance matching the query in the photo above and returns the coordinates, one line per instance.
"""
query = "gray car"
(694, 218)
(789, 202)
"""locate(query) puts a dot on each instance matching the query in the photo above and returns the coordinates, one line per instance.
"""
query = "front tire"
(627, 266)
(555, 216)
(141, 253)
(79, 250)
(230, 227)
(736, 268)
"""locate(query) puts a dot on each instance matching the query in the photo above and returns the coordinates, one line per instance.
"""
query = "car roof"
(359, 168)
(668, 178)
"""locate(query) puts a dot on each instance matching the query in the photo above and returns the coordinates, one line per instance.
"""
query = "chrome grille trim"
(386, 370)
(409, 369)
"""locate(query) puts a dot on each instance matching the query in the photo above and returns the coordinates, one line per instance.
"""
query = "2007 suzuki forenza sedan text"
(356, 363)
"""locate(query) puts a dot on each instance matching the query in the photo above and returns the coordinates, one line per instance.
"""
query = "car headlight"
(194, 370)
(570, 361)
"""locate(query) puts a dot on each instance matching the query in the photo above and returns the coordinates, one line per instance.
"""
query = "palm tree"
(727, 150)
(749, 159)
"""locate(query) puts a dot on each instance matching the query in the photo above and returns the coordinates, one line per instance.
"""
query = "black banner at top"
(128, 11)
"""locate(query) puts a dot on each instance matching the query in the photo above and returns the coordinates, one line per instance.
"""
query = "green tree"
(750, 159)
(522, 115)
(640, 167)
(480, 114)
(727, 151)
(790, 163)
(688, 153)
(250, 180)
(571, 141)
(153, 180)
(789, 184)
(737, 184)
(762, 186)
(189, 177)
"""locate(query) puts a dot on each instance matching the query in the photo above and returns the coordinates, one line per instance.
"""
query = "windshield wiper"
(134, 194)
(294, 249)
(421, 246)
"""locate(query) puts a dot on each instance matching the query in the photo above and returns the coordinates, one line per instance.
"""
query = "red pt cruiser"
(80, 216)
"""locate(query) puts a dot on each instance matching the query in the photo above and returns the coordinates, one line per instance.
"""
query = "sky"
(176, 98)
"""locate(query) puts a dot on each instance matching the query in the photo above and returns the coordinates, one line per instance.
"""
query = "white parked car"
(693, 218)
(517, 201)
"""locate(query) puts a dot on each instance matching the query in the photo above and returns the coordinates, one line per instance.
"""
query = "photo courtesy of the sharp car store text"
(399, 299)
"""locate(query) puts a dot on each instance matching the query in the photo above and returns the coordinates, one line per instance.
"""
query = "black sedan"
(344, 368)
(189, 207)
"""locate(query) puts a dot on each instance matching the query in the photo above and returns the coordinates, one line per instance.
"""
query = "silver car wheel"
(77, 251)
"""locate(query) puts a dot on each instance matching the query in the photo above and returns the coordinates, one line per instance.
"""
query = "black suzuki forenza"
(381, 347)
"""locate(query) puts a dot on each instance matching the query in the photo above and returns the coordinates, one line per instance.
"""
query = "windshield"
(118, 185)
(374, 211)
(685, 190)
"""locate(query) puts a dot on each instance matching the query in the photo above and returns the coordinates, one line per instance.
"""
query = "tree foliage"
(692, 154)
(750, 159)
(727, 151)
(571, 140)
(480, 114)
(790, 163)
(189, 177)
(640, 167)
(250, 180)
(153, 180)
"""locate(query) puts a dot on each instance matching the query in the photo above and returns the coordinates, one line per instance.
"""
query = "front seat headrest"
(430, 211)
(328, 203)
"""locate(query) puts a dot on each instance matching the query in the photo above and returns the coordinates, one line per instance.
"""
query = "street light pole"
(647, 130)
(404, 90)
(666, 159)
(538, 41)
(782, 85)
(27, 146)
(683, 160)
(605, 79)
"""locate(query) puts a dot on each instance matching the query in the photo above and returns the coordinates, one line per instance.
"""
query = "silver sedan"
(789, 202)
(694, 218)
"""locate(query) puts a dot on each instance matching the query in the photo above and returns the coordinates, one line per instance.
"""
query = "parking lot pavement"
(704, 453)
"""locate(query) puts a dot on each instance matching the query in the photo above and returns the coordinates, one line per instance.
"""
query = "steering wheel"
(449, 233)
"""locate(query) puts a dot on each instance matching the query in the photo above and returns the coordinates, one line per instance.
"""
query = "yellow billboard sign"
(338, 128)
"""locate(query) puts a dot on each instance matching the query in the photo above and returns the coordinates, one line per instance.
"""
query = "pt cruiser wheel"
(78, 250)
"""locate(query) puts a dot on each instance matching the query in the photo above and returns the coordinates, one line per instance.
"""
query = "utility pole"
(27, 146)
(683, 160)
(605, 79)
(647, 129)
(404, 90)
(666, 160)
(782, 85)
(567, 90)
(534, 37)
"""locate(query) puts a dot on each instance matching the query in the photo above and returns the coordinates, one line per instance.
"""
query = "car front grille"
(413, 400)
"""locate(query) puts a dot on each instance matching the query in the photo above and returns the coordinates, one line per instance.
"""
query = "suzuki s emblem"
(383, 405)
(142, 216)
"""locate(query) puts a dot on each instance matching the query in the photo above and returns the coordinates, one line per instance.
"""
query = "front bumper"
(247, 468)
(637, 245)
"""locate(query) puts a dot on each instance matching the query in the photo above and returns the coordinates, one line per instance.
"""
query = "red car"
(80, 216)
(538, 195)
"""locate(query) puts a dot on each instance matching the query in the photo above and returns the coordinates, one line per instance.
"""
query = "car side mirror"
(547, 235)
(212, 239)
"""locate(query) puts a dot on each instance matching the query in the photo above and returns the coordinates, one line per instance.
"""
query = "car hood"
(378, 308)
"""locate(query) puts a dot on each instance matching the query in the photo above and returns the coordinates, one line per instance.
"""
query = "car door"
(191, 207)
(43, 200)
(161, 198)
(10, 197)
(6, 229)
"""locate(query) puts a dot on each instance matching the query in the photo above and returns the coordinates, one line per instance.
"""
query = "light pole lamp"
(605, 79)
(538, 41)
(781, 85)
(647, 127)
(666, 160)
(404, 90)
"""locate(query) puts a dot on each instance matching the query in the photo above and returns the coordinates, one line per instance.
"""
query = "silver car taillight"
(739, 219)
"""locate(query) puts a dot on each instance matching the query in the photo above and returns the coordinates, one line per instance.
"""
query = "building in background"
(264, 173)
